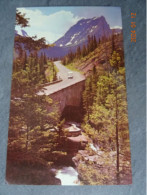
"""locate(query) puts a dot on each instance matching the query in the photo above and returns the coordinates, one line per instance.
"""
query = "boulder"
(76, 143)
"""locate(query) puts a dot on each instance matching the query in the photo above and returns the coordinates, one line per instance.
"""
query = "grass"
(72, 67)
(56, 69)
(78, 63)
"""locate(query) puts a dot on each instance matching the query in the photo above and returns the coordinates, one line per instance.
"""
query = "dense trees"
(80, 52)
(105, 106)
(28, 71)
(28, 110)
(31, 116)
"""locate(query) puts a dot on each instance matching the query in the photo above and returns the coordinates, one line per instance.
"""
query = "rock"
(78, 139)
(76, 143)
(73, 131)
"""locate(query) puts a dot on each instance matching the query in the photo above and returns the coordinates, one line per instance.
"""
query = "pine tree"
(94, 42)
(87, 97)
(78, 52)
(84, 51)
(113, 44)
(116, 61)
(88, 43)
(24, 61)
(44, 59)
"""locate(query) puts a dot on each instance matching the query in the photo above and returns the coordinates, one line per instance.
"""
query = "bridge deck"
(66, 82)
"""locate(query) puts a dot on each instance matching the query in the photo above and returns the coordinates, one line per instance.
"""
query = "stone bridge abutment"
(69, 96)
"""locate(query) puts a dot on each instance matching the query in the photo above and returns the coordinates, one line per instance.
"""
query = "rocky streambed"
(86, 164)
(67, 172)
(68, 176)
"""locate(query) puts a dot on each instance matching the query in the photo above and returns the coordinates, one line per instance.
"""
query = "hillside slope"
(99, 57)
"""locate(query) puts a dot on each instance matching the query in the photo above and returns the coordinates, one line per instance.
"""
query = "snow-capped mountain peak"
(21, 32)
(78, 33)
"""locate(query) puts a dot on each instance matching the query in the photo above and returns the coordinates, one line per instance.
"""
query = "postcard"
(68, 121)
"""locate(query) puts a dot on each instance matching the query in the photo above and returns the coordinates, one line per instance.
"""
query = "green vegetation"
(98, 57)
(32, 146)
(106, 118)
(72, 67)
(32, 116)
(93, 175)
(71, 57)
(51, 72)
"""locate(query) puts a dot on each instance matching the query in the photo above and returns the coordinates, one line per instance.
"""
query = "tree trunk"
(117, 144)
(27, 139)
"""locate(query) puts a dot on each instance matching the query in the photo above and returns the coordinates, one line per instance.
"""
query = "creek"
(68, 176)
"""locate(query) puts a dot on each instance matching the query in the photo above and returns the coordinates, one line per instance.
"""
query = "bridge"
(67, 92)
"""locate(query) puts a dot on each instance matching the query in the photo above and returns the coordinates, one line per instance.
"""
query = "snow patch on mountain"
(69, 43)
(116, 27)
(77, 34)
(95, 18)
(72, 38)
(21, 32)
(88, 21)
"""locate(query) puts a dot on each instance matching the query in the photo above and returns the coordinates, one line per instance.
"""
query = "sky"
(53, 22)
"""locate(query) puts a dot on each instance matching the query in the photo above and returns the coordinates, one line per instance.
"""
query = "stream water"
(68, 176)
(94, 148)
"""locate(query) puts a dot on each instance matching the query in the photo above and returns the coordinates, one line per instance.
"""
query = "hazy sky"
(53, 22)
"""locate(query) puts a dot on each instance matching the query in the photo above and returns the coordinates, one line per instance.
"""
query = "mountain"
(21, 33)
(77, 36)
(99, 57)
(54, 52)
(78, 33)
(116, 30)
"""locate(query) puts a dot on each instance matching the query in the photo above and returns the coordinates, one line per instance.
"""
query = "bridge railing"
(51, 83)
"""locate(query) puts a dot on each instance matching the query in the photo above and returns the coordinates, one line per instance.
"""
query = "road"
(63, 74)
